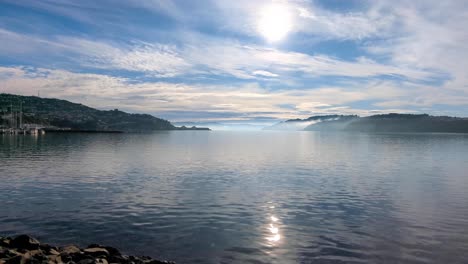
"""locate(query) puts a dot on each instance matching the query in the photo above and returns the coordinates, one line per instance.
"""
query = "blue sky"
(239, 62)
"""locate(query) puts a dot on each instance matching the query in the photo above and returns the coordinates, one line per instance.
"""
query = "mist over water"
(243, 197)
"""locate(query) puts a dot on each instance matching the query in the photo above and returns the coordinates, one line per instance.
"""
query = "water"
(243, 197)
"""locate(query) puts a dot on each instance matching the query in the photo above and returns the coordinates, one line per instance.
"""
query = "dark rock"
(31, 261)
(14, 260)
(9, 253)
(97, 252)
(70, 249)
(5, 242)
(113, 251)
(154, 261)
(65, 257)
(87, 261)
(52, 251)
(81, 256)
(24, 242)
(27, 250)
(101, 261)
(47, 248)
(117, 259)
(34, 255)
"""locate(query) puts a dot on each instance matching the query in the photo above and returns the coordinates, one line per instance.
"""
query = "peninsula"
(22, 112)
(421, 123)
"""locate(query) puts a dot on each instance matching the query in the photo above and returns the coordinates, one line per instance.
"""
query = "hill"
(301, 124)
(381, 123)
(64, 114)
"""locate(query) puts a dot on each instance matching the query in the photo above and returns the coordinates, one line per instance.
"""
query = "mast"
(21, 115)
(11, 114)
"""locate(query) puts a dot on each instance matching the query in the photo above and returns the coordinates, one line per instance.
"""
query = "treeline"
(65, 114)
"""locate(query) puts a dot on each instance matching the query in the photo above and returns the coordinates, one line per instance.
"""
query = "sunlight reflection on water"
(273, 236)
(225, 197)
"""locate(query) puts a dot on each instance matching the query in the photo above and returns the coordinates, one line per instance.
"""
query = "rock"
(154, 261)
(54, 259)
(31, 261)
(97, 251)
(9, 253)
(14, 260)
(24, 242)
(32, 253)
(77, 257)
(5, 242)
(65, 257)
(27, 250)
(47, 248)
(52, 251)
(70, 249)
(117, 259)
(4, 253)
(86, 261)
(101, 261)
(34, 256)
(113, 251)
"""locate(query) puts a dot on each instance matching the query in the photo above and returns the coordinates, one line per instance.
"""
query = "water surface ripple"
(243, 197)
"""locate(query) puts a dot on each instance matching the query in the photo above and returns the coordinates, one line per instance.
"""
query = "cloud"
(209, 102)
(431, 34)
(207, 57)
(227, 58)
(264, 73)
(309, 18)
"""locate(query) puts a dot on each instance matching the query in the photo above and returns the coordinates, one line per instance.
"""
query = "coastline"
(26, 249)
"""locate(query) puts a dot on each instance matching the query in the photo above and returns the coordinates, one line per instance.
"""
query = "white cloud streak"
(245, 102)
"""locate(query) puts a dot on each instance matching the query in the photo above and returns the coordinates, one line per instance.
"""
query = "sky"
(240, 62)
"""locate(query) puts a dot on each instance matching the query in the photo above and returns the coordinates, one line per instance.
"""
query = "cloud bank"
(207, 61)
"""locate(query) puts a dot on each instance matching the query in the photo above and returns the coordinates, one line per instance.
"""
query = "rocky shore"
(24, 249)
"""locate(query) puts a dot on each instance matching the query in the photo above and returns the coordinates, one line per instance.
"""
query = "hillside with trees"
(56, 113)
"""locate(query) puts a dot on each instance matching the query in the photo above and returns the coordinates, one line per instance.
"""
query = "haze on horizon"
(239, 62)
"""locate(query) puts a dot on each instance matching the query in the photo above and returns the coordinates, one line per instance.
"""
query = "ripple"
(239, 198)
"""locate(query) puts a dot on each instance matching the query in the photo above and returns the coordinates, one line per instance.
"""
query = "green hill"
(396, 123)
(377, 123)
(64, 114)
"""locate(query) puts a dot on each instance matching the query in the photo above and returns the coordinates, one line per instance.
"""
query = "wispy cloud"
(207, 57)
(225, 58)
(209, 102)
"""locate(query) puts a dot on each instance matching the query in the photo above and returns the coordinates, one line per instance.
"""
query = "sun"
(275, 22)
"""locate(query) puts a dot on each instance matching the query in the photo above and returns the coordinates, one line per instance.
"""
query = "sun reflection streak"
(273, 236)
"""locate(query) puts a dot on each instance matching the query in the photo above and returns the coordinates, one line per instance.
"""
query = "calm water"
(243, 197)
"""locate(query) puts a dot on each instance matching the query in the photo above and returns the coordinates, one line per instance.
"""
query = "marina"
(22, 131)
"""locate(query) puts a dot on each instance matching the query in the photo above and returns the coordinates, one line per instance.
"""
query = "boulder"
(70, 249)
(5, 242)
(97, 252)
(24, 242)
(101, 261)
(86, 261)
(14, 260)
(154, 261)
(53, 251)
(27, 250)
(113, 251)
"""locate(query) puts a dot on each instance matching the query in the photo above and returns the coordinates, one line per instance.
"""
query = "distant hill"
(381, 123)
(64, 114)
(301, 124)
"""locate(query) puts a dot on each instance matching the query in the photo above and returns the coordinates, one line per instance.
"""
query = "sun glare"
(275, 22)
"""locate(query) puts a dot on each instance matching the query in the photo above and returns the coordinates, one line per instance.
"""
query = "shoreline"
(26, 249)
